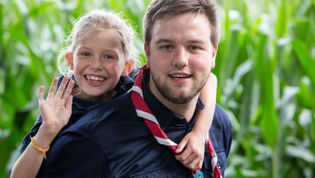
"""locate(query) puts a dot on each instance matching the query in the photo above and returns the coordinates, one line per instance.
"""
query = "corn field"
(265, 68)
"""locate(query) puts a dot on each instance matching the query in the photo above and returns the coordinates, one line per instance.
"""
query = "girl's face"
(98, 62)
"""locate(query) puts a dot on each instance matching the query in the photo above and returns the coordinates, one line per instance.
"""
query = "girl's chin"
(98, 95)
(90, 91)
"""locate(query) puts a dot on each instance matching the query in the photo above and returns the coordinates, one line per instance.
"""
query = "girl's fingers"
(194, 165)
(52, 88)
(182, 156)
(68, 88)
(190, 162)
(62, 87)
(41, 92)
(68, 103)
(199, 165)
(181, 146)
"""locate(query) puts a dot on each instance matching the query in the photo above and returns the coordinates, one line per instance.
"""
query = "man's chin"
(179, 98)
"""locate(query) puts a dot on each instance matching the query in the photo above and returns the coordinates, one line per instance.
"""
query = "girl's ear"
(128, 67)
(69, 59)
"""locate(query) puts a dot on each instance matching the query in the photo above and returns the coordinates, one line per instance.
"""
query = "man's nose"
(180, 58)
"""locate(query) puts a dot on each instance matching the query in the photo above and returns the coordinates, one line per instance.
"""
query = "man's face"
(180, 56)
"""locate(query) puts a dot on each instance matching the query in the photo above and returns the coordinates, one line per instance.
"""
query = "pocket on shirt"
(207, 167)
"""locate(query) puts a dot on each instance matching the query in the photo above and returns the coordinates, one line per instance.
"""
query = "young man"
(133, 135)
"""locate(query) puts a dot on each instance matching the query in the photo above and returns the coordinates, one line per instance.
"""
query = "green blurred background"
(265, 68)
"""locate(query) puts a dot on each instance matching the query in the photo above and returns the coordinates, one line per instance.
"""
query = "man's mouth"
(179, 76)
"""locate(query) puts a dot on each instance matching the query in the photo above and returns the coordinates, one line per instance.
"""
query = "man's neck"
(186, 110)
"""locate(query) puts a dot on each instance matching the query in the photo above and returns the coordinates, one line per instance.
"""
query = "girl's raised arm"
(55, 111)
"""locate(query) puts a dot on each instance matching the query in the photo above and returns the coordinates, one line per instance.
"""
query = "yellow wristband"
(38, 148)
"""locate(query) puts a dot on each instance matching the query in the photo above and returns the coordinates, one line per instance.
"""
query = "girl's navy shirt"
(80, 107)
(112, 141)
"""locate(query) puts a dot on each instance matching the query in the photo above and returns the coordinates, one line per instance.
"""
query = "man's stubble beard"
(178, 98)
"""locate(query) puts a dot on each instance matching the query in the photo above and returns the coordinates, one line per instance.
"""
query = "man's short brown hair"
(159, 9)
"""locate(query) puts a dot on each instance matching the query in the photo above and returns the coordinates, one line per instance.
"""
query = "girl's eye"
(108, 57)
(84, 53)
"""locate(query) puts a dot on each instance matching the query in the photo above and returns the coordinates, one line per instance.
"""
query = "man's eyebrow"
(163, 41)
(196, 41)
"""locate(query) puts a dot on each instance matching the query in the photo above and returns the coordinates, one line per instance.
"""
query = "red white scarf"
(152, 123)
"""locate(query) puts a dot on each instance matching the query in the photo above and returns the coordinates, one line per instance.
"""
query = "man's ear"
(147, 51)
(214, 55)
(69, 59)
(128, 67)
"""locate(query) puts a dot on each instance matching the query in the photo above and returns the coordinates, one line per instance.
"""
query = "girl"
(98, 56)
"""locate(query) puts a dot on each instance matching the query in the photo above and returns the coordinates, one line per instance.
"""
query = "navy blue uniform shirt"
(79, 108)
(111, 141)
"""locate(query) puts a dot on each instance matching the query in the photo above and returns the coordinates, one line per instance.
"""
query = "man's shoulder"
(221, 129)
(221, 136)
(221, 118)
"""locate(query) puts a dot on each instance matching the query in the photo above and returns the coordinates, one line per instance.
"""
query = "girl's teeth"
(95, 78)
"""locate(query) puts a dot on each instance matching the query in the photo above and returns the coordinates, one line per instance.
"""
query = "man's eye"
(167, 47)
(194, 47)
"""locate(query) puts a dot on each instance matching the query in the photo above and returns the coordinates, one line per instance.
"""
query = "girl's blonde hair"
(91, 22)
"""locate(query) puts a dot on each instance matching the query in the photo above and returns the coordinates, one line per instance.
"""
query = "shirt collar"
(80, 105)
(123, 85)
(161, 112)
